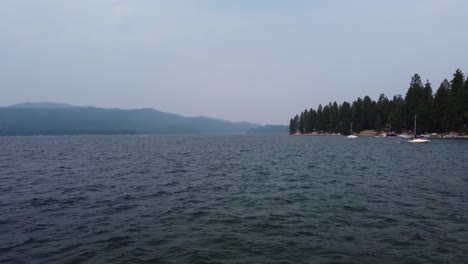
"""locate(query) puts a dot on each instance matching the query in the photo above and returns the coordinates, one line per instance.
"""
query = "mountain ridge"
(65, 119)
(48, 105)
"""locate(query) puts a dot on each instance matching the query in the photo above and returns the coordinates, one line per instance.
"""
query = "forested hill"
(24, 120)
(444, 111)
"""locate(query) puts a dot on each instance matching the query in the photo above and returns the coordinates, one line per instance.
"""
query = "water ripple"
(231, 199)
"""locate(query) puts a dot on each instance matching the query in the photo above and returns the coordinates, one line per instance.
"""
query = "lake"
(232, 199)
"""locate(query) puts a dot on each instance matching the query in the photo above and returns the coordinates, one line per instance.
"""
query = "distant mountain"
(270, 129)
(46, 105)
(35, 120)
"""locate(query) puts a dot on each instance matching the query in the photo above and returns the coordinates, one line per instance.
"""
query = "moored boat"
(383, 135)
(351, 130)
(416, 140)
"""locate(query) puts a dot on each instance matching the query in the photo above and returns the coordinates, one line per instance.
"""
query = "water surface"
(232, 199)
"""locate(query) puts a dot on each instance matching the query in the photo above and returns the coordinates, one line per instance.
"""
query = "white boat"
(381, 136)
(417, 140)
(405, 136)
(352, 136)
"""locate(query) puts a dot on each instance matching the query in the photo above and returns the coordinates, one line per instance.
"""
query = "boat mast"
(414, 126)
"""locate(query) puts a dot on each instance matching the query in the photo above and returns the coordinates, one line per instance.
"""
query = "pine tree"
(444, 111)
(413, 98)
(396, 117)
(292, 126)
(301, 123)
(382, 111)
(465, 106)
(310, 121)
(357, 114)
(425, 109)
(457, 97)
(319, 119)
(326, 118)
(378, 124)
(336, 117)
(441, 109)
(345, 118)
(306, 118)
(367, 114)
(296, 123)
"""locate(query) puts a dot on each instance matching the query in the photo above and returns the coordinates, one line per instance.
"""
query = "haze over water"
(232, 199)
(233, 60)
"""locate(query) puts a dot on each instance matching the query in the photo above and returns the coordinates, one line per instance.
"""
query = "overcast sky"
(241, 60)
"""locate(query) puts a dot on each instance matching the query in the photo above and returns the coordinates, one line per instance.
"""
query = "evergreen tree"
(296, 123)
(374, 121)
(425, 109)
(366, 115)
(445, 111)
(413, 98)
(465, 106)
(457, 97)
(382, 110)
(311, 120)
(326, 118)
(396, 116)
(306, 118)
(345, 118)
(336, 117)
(292, 126)
(441, 109)
(319, 119)
(457, 82)
(301, 123)
(357, 114)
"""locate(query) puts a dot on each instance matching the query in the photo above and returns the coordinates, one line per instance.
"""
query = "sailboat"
(415, 140)
(352, 136)
(390, 133)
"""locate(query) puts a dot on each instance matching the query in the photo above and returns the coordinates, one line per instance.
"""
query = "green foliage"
(413, 99)
(345, 118)
(292, 126)
(310, 121)
(458, 97)
(296, 123)
(445, 111)
(465, 106)
(441, 109)
(319, 121)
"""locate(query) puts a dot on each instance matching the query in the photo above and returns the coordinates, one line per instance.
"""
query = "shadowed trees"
(444, 111)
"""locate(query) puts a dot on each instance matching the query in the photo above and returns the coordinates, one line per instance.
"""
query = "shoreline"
(374, 134)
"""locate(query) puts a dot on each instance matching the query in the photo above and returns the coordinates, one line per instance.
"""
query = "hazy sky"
(240, 60)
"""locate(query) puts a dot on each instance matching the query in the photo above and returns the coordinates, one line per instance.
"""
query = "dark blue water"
(232, 199)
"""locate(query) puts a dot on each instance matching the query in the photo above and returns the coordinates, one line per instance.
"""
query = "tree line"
(442, 112)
